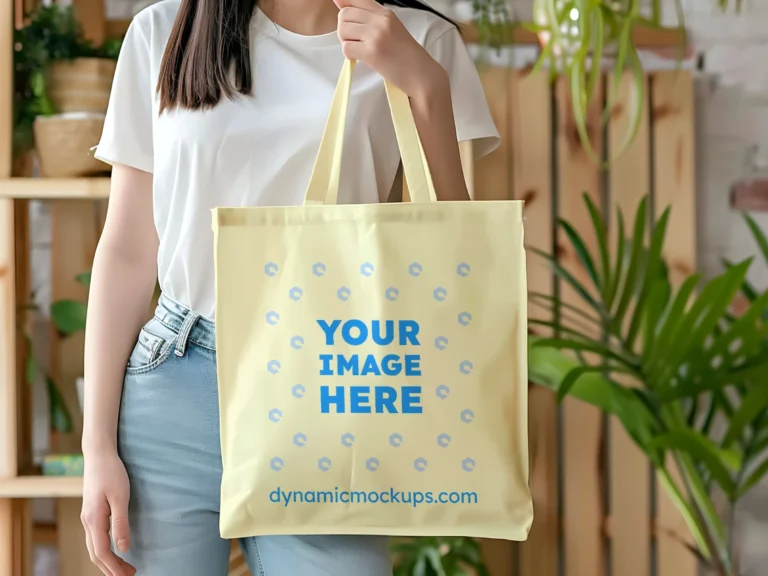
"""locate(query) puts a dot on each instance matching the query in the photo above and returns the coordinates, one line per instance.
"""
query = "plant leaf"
(630, 283)
(651, 268)
(84, 278)
(597, 50)
(753, 479)
(574, 375)
(61, 420)
(686, 511)
(586, 345)
(68, 316)
(759, 236)
(717, 460)
(602, 244)
(582, 253)
(569, 278)
(619, 266)
(670, 326)
(434, 559)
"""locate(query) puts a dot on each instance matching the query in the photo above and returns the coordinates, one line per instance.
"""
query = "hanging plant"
(576, 35)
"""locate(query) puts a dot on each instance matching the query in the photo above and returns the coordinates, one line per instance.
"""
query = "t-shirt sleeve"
(470, 106)
(127, 134)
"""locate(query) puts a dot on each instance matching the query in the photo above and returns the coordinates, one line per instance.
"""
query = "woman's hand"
(105, 497)
(373, 34)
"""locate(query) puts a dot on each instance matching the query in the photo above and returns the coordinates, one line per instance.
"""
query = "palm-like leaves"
(433, 556)
(668, 361)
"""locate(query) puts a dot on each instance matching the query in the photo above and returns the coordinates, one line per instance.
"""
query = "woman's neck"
(305, 17)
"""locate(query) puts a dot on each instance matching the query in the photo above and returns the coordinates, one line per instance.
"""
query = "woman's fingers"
(368, 5)
(121, 533)
(351, 14)
(352, 31)
(354, 50)
(101, 546)
(92, 554)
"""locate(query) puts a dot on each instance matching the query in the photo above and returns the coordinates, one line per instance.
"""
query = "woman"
(223, 103)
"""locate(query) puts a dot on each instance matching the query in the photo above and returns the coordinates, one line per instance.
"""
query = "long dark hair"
(208, 37)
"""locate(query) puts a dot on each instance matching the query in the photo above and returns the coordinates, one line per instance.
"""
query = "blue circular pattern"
(295, 293)
(396, 440)
(273, 366)
(299, 391)
(465, 318)
(463, 269)
(467, 416)
(343, 293)
(443, 440)
(324, 464)
(372, 464)
(275, 415)
(466, 367)
(272, 318)
(276, 464)
(318, 269)
(415, 269)
(441, 342)
(391, 293)
(300, 440)
(440, 294)
(420, 464)
(468, 465)
(442, 391)
(297, 342)
(366, 269)
(348, 440)
(271, 269)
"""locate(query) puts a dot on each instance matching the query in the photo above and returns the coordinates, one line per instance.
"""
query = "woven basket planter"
(64, 144)
(81, 85)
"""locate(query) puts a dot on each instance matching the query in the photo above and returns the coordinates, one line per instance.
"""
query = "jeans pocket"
(152, 348)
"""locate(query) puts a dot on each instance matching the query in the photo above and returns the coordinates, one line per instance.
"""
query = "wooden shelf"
(55, 188)
(41, 487)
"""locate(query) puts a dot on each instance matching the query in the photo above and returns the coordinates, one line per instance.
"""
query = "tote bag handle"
(324, 183)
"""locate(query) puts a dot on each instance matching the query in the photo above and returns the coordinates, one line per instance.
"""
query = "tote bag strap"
(324, 183)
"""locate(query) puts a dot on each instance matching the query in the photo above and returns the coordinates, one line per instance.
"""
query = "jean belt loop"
(186, 329)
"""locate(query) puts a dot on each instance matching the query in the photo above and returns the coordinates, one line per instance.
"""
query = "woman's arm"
(371, 33)
(433, 113)
(122, 283)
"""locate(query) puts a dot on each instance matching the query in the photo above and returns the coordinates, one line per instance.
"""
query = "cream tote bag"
(372, 358)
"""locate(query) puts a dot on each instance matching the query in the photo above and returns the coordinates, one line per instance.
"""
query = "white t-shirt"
(259, 150)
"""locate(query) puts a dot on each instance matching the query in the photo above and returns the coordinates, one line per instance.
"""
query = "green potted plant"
(433, 556)
(61, 90)
(669, 362)
(575, 35)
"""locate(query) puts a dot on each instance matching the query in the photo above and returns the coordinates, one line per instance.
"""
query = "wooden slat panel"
(22, 537)
(629, 468)
(499, 556)
(532, 176)
(6, 80)
(23, 296)
(491, 181)
(492, 173)
(73, 244)
(582, 424)
(673, 136)
(7, 297)
(8, 459)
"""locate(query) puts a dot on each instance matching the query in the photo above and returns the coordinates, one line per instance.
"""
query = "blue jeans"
(168, 438)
